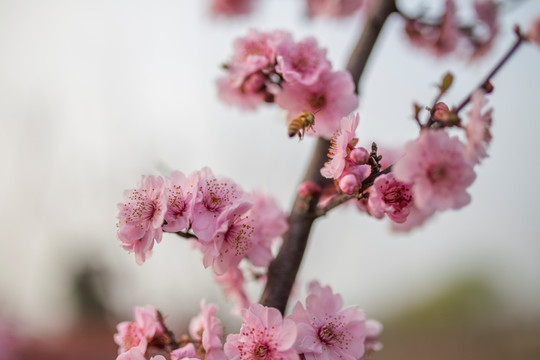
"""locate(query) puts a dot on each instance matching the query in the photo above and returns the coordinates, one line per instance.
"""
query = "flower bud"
(441, 112)
(348, 183)
(359, 156)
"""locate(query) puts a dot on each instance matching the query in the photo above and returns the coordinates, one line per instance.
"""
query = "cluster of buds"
(297, 76)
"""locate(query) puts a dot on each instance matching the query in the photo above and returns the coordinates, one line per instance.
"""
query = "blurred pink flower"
(372, 342)
(207, 328)
(263, 335)
(301, 62)
(391, 197)
(233, 92)
(486, 14)
(441, 38)
(137, 334)
(533, 33)
(330, 99)
(325, 331)
(478, 129)
(233, 285)
(231, 8)
(140, 218)
(439, 173)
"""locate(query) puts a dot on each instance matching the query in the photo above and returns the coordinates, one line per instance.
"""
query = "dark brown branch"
(170, 335)
(282, 271)
(187, 235)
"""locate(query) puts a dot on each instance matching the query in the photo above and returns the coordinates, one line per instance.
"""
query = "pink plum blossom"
(256, 51)
(270, 222)
(325, 330)
(340, 146)
(233, 285)
(533, 33)
(391, 197)
(137, 334)
(233, 92)
(440, 39)
(185, 352)
(264, 335)
(181, 194)
(439, 173)
(330, 99)
(207, 328)
(301, 62)
(478, 129)
(140, 218)
(231, 241)
(215, 195)
(231, 8)
(333, 8)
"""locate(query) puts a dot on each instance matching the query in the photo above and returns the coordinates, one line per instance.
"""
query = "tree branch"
(282, 271)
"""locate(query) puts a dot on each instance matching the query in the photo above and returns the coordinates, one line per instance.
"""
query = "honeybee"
(300, 124)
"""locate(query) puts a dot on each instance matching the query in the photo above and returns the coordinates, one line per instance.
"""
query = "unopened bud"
(441, 112)
(359, 156)
(348, 184)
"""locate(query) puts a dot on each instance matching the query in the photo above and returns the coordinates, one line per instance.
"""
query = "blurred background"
(93, 94)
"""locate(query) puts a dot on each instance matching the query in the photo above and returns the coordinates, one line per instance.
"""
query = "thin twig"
(499, 65)
(186, 235)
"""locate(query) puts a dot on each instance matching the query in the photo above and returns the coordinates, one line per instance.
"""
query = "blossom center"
(437, 174)
(327, 335)
(317, 101)
(261, 351)
(397, 196)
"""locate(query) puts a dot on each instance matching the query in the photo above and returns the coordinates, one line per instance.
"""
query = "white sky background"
(93, 94)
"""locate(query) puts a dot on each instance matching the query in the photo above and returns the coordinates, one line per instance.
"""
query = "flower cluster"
(443, 35)
(271, 67)
(227, 223)
(349, 165)
(433, 174)
(319, 329)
